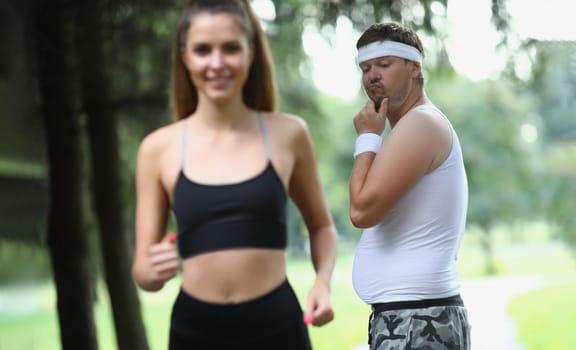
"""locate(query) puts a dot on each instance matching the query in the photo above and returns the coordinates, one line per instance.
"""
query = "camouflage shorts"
(427, 328)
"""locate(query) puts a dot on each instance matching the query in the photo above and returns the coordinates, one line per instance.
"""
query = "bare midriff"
(233, 276)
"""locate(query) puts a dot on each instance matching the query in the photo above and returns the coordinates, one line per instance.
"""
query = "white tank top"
(411, 254)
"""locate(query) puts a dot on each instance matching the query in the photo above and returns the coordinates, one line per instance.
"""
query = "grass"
(545, 318)
(28, 320)
(349, 327)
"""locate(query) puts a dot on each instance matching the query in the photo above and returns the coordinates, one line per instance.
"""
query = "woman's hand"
(163, 262)
(319, 310)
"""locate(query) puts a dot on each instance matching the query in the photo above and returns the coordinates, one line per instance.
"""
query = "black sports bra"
(247, 214)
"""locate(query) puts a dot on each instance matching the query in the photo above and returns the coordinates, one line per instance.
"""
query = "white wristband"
(367, 142)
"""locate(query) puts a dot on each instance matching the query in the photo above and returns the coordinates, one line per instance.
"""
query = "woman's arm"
(156, 258)
(306, 191)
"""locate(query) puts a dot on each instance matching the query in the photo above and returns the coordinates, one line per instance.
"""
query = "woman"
(225, 168)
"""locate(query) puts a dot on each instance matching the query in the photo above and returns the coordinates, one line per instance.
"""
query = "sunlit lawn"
(545, 318)
(28, 320)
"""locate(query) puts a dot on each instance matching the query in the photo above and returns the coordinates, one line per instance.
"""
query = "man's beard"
(377, 95)
(377, 101)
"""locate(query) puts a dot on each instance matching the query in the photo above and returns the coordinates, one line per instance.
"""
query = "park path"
(487, 301)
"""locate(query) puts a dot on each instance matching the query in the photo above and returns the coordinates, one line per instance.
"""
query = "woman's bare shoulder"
(158, 140)
(287, 123)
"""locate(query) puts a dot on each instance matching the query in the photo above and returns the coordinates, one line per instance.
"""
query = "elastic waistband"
(190, 300)
(455, 300)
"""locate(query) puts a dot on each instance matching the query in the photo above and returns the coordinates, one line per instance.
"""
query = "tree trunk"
(487, 245)
(107, 181)
(66, 236)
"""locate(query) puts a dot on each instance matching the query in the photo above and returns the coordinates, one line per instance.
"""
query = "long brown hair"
(260, 90)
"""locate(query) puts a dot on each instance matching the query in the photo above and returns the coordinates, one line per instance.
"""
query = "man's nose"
(373, 75)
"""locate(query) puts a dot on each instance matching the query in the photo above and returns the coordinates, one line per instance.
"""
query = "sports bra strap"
(264, 136)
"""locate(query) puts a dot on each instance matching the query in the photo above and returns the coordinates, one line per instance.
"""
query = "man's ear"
(417, 69)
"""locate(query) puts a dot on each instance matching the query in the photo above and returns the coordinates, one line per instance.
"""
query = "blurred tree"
(107, 181)
(500, 162)
(555, 86)
(336, 161)
(556, 89)
(72, 77)
(66, 236)
(561, 206)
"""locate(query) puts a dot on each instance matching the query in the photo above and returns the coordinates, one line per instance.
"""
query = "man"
(409, 193)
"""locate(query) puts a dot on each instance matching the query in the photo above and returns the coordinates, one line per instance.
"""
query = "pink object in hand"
(308, 319)
(172, 237)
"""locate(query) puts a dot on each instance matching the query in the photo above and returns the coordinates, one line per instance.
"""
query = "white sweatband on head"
(388, 48)
(367, 142)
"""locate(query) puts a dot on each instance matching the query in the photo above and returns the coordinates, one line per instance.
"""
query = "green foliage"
(23, 206)
(501, 165)
(418, 14)
(15, 329)
(519, 248)
(562, 206)
(503, 160)
(335, 143)
(21, 136)
(544, 318)
(138, 40)
(556, 90)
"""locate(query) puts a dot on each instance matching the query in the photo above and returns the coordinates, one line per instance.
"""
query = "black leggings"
(272, 321)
